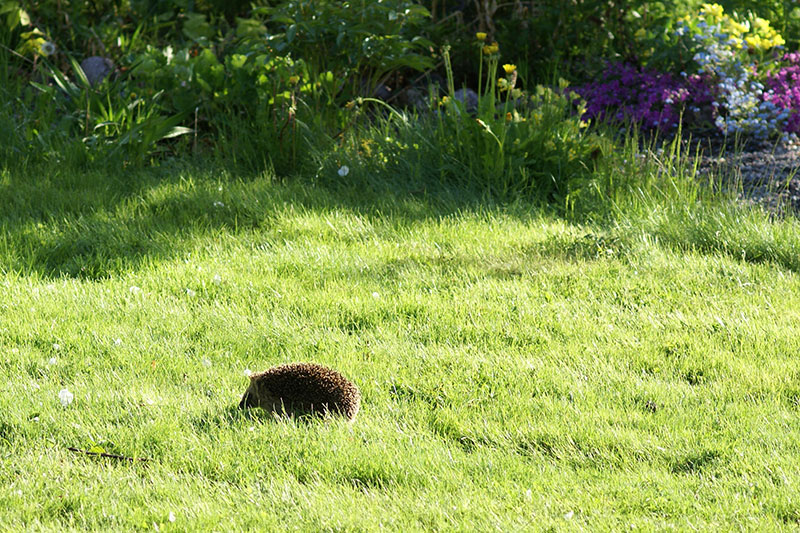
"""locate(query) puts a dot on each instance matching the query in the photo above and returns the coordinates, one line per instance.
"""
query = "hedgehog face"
(258, 395)
(249, 399)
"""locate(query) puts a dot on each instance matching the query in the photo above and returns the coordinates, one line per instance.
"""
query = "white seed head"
(66, 397)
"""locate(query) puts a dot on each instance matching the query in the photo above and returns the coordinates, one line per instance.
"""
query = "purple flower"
(783, 90)
(626, 92)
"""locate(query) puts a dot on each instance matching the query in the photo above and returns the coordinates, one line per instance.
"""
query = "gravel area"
(765, 174)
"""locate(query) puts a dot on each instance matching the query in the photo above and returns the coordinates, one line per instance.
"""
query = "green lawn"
(519, 372)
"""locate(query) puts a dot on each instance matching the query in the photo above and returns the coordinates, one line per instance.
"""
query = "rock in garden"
(469, 98)
(97, 68)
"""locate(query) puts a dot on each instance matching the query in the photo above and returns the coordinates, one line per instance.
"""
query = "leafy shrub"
(236, 82)
(360, 43)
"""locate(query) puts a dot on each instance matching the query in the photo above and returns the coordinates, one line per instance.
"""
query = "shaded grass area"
(518, 371)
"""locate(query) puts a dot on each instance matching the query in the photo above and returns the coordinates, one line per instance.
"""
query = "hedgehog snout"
(248, 400)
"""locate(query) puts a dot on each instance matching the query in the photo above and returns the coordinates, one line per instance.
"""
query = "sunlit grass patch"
(518, 371)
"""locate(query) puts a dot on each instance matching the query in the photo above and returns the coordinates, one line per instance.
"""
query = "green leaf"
(177, 131)
(197, 27)
(96, 448)
(80, 73)
(7, 7)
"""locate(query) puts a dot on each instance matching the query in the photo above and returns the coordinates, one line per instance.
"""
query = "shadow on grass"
(97, 224)
(211, 422)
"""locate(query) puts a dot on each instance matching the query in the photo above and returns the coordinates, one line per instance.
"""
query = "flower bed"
(738, 80)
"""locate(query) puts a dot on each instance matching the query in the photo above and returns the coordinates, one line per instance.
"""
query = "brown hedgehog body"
(301, 388)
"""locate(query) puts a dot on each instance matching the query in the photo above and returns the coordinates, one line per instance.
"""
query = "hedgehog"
(302, 388)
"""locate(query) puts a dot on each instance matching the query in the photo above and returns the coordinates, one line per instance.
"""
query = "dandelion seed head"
(66, 397)
(47, 48)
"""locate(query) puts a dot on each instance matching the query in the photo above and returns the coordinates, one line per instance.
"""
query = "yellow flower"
(445, 100)
(502, 84)
(509, 116)
(481, 36)
(740, 27)
(509, 68)
(640, 34)
(490, 49)
(713, 10)
(294, 79)
(754, 41)
(760, 24)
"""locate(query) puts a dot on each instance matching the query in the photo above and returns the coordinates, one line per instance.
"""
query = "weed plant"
(514, 144)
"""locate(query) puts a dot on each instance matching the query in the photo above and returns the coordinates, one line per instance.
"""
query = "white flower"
(344, 171)
(247, 372)
(66, 397)
(135, 290)
(190, 292)
(117, 342)
(52, 361)
(376, 295)
(207, 363)
(217, 279)
(56, 346)
(569, 515)
(47, 48)
(171, 516)
(218, 204)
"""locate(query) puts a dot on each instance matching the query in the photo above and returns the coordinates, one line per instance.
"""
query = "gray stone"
(97, 68)
(469, 98)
